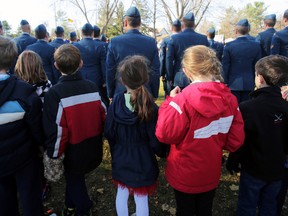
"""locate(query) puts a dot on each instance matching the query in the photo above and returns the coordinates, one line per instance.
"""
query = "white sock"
(122, 201)
(142, 208)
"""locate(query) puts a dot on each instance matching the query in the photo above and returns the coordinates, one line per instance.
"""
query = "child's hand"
(175, 91)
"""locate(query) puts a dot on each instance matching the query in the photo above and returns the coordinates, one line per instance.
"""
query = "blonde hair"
(202, 61)
(29, 68)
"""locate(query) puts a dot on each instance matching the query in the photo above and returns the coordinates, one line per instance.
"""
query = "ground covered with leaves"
(103, 192)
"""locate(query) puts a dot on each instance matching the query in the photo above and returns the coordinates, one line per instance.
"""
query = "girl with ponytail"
(130, 131)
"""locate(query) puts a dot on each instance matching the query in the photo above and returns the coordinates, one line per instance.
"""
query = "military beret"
(243, 22)
(189, 16)
(59, 30)
(41, 28)
(24, 22)
(87, 27)
(177, 23)
(132, 12)
(270, 17)
(72, 34)
(211, 30)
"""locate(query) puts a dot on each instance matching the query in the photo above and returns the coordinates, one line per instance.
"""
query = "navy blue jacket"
(266, 124)
(264, 38)
(132, 43)
(21, 130)
(279, 43)
(46, 53)
(132, 144)
(250, 37)
(58, 42)
(217, 47)
(176, 47)
(239, 59)
(162, 56)
(93, 54)
(23, 41)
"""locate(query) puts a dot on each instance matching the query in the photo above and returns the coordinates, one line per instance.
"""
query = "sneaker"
(69, 212)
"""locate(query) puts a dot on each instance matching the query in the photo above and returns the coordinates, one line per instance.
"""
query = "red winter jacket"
(199, 123)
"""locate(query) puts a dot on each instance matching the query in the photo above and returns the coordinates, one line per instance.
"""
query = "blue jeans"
(254, 193)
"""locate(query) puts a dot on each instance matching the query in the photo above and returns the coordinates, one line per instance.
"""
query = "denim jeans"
(254, 193)
(283, 191)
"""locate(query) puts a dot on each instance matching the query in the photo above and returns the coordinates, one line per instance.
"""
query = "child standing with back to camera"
(29, 68)
(198, 122)
(130, 130)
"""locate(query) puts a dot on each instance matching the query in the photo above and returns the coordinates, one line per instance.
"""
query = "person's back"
(132, 43)
(46, 52)
(198, 123)
(279, 44)
(59, 40)
(239, 59)
(21, 134)
(216, 46)
(265, 37)
(25, 38)
(179, 43)
(262, 156)
(63, 127)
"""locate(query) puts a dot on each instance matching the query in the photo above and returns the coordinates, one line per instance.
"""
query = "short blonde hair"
(29, 68)
(202, 61)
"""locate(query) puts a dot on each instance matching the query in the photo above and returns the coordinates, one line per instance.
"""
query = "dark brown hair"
(133, 71)
(188, 23)
(274, 69)
(8, 52)
(133, 21)
(68, 58)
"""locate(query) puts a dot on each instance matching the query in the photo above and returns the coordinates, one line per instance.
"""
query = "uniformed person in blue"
(238, 61)
(179, 42)
(216, 46)
(46, 52)
(176, 28)
(60, 37)
(265, 37)
(132, 43)
(97, 36)
(250, 37)
(1, 28)
(73, 37)
(93, 54)
(279, 43)
(25, 38)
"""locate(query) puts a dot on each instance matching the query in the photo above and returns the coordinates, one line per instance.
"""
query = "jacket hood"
(208, 98)
(121, 113)
(6, 89)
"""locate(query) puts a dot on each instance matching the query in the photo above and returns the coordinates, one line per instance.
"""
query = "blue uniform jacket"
(176, 47)
(162, 56)
(132, 43)
(279, 43)
(217, 47)
(264, 38)
(57, 42)
(46, 53)
(93, 54)
(239, 59)
(132, 144)
(23, 41)
(21, 130)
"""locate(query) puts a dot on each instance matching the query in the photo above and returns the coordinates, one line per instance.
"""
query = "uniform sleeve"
(103, 54)
(170, 60)
(162, 58)
(110, 71)
(226, 61)
(155, 74)
(275, 45)
(236, 134)
(55, 126)
(173, 122)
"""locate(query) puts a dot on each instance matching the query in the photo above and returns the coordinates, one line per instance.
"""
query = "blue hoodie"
(133, 145)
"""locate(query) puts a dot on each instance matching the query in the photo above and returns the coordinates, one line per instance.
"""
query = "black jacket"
(266, 134)
(20, 124)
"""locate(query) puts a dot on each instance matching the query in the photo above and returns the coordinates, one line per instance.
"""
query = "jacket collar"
(75, 76)
(133, 31)
(271, 90)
